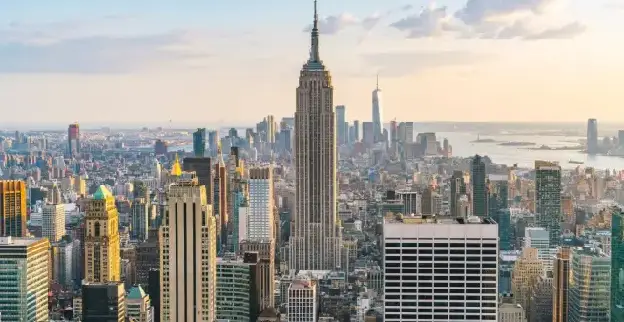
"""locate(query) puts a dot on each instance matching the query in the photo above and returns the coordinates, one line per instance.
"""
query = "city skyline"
(159, 62)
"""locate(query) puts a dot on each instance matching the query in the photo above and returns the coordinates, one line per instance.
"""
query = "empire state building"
(316, 239)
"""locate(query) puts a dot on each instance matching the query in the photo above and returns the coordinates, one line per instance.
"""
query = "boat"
(576, 162)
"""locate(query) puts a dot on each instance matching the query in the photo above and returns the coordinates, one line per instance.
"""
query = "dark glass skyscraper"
(592, 136)
(199, 142)
(458, 188)
(548, 211)
(479, 187)
(617, 265)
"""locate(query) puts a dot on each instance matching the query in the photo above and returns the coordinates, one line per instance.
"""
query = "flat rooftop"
(18, 241)
(433, 219)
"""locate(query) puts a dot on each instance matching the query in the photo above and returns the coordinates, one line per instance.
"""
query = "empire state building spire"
(314, 49)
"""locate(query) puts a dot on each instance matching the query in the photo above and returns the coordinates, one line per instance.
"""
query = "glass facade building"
(589, 289)
(617, 265)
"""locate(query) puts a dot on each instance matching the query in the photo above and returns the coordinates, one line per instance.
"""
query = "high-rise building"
(479, 187)
(199, 142)
(356, 131)
(589, 294)
(341, 125)
(73, 140)
(461, 279)
(139, 215)
(303, 300)
(548, 212)
(592, 136)
(219, 204)
(53, 222)
(617, 264)
(13, 208)
(203, 169)
(271, 127)
(138, 305)
(266, 266)
(394, 139)
(524, 277)
(377, 114)
(458, 188)
(62, 256)
(498, 193)
(147, 258)
(24, 272)
(316, 237)
(260, 218)
(368, 133)
(237, 289)
(561, 273)
(213, 142)
(102, 249)
(411, 202)
(188, 255)
(538, 238)
(511, 312)
(103, 302)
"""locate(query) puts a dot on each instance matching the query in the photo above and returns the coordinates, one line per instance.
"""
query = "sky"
(236, 61)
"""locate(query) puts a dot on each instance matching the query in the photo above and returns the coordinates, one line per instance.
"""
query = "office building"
(617, 264)
(147, 258)
(153, 291)
(260, 221)
(479, 187)
(303, 300)
(188, 255)
(342, 127)
(458, 189)
(219, 205)
(203, 169)
(13, 208)
(368, 133)
(498, 193)
(538, 238)
(548, 212)
(377, 114)
(62, 257)
(589, 292)
(199, 142)
(138, 305)
(213, 142)
(103, 302)
(460, 281)
(592, 136)
(411, 202)
(139, 215)
(24, 272)
(101, 241)
(53, 222)
(561, 273)
(237, 289)
(526, 272)
(266, 266)
(316, 237)
(510, 312)
(73, 140)
(356, 131)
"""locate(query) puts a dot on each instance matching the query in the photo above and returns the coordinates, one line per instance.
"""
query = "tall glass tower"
(377, 113)
(548, 199)
(592, 136)
(617, 265)
(479, 187)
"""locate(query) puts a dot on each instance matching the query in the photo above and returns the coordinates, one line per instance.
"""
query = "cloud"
(398, 64)
(488, 19)
(567, 31)
(90, 55)
(333, 24)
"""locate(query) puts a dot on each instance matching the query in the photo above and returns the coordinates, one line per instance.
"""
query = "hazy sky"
(235, 61)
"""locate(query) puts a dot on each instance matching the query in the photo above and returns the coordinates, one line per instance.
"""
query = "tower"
(548, 212)
(13, 208)
(73, 139)
(102, 257)
(479, 187)
(315, 242)
(188, 255)
(377, 118)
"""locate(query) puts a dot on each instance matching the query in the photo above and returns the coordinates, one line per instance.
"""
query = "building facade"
(13, 208)
(316, 237)
(548, 211)
(53, 222)
(101, 240)
(188, 256)
(104, 302)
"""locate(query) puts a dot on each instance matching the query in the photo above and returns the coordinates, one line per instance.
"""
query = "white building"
(302, 300)
(188, 255)
(440, 269)
(508, 312)
(53, 222)
(260, 222)
(538, 238)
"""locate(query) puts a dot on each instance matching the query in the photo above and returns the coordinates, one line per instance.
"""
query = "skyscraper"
(53, 222)
(561, 272)
(592, 136)
(13, 208)
(341, 124)
(188, 255)
(479, 187)
(103, 302)
(617, 264)
(548, 212)
(315, 241)
(102, 257)
(73, 139)
(458, 188)
(356, 131)
(203, 169)
(199, 142)
(260, 219)
(24, 271)
(377, 113)
(237, 289)
(588, 292)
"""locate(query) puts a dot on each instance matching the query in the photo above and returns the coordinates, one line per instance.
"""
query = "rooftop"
(433, 219)
(102, 193)
(136, 293)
